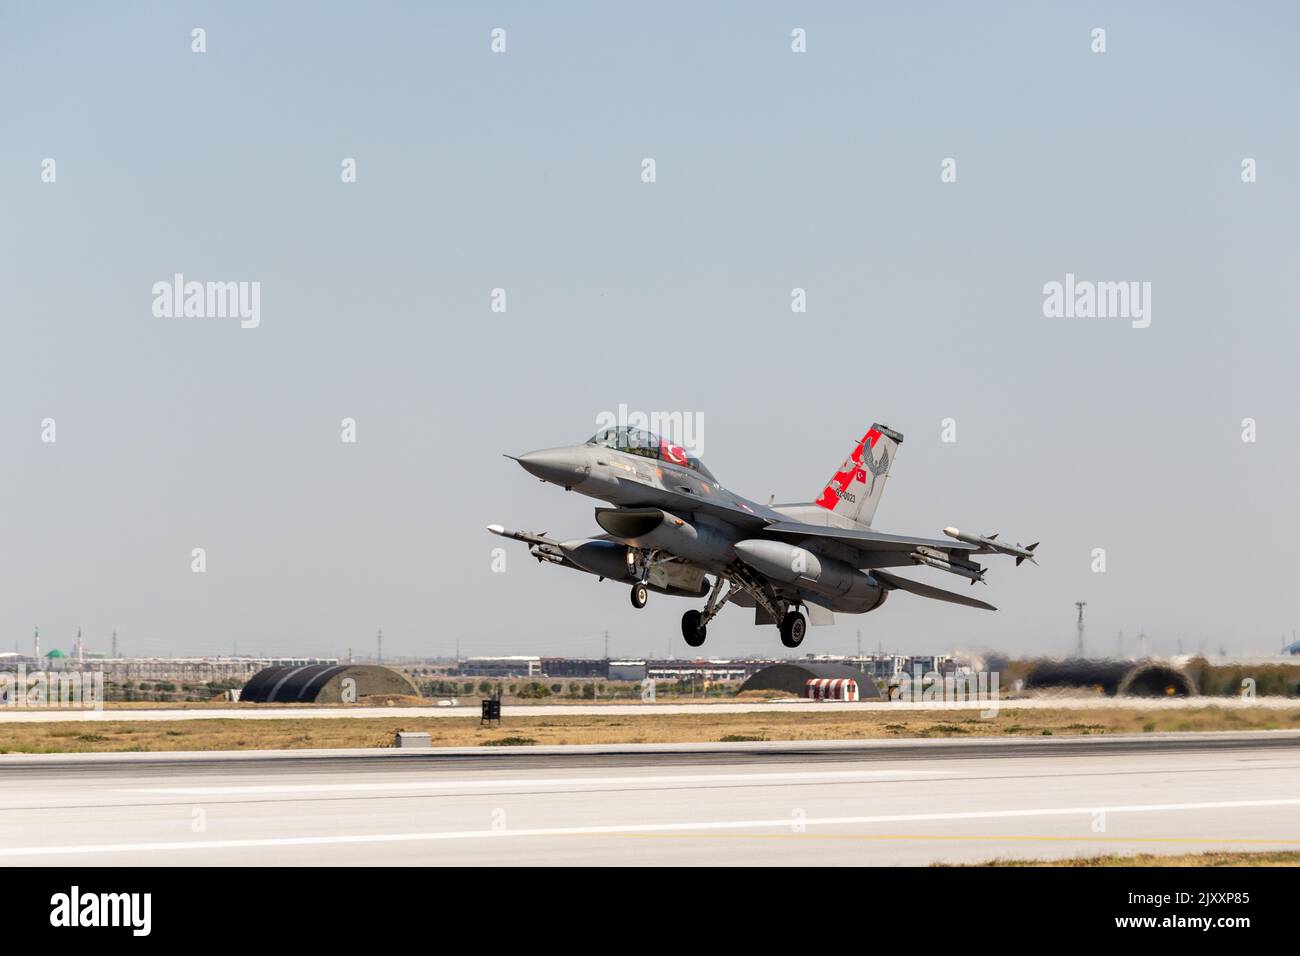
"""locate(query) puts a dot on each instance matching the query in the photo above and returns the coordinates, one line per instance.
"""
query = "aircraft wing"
(864, 539)
(893, 581)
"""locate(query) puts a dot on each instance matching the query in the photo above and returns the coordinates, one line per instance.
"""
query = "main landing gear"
(793, 625)
(640, 594)
(692, 629)
(793, 628)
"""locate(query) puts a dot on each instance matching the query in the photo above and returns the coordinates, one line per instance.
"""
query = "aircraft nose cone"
(560, 466)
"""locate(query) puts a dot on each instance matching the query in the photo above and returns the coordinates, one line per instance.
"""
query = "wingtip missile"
(988, 544)
(529, 537)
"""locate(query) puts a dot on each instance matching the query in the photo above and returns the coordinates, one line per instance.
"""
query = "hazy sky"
(775, 170)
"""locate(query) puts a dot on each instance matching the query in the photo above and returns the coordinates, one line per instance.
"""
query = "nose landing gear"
(640, 595)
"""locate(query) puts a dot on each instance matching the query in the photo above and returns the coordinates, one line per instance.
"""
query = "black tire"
(640, 595)
(793, 628)
(692, 629)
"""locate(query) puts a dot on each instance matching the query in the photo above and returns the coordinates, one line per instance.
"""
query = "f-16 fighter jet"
(670, 527)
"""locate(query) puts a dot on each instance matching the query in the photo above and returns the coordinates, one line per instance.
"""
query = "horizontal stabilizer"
(893, 581)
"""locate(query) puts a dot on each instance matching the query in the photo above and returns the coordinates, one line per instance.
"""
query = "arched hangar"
(792, 678)
(324, 684)
(1145, 678)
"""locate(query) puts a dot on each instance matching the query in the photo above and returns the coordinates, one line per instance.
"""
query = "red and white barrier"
(831, 688)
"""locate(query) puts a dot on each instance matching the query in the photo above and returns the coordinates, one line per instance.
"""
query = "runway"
(874, 802)
(273, 712)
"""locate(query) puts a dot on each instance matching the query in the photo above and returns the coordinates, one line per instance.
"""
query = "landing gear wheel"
(793, 626)
(692, 629)
(640, 594)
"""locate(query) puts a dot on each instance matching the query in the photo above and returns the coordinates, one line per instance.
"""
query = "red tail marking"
(852, 470)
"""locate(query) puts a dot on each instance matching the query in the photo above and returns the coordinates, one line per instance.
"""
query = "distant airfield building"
(178, 669)
(627, 670)
(704, 670)
(884, 668)
(516, 666)
(577, 667)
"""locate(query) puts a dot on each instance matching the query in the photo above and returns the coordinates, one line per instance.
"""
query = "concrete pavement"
(875, 802)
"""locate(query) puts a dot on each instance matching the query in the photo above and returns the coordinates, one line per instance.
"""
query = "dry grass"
(708, 726)
(759, 695)
(1246, 858)
(390, 700)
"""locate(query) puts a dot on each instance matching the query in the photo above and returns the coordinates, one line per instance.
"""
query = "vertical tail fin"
(855, 489)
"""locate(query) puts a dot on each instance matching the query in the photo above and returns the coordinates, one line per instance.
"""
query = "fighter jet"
(670, 527)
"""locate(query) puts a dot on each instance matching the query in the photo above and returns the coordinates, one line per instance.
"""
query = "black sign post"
(491, 710)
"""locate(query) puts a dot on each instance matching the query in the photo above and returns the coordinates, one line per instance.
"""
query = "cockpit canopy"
(637, 441)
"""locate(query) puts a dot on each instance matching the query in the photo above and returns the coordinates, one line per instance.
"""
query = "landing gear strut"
(791, 623)
(639, 563)
(793, 627)
(695, 624)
